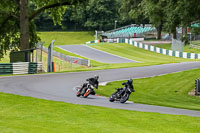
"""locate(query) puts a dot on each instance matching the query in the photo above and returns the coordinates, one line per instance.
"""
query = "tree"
(101, 14)
(181, 13)
(144, 11)
(172, 17)
(131, 12)
(16, 20)
(79, 15)
(154, 11)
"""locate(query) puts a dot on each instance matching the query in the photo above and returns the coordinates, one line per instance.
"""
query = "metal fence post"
(50, 57)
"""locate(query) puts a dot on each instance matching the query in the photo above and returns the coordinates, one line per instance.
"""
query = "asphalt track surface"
(59, 86)
(95, 54)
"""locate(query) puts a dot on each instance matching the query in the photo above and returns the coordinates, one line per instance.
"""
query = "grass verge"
(65, 38)
(186, 48)
(124, 50)
(147, 58)
(168, 90)
(61, 65)
(26, 114)
(138, 54)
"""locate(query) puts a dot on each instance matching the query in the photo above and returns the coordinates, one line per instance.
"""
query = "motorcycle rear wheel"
(124, 98)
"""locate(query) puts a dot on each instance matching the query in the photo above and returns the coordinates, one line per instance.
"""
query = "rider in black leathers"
(92, 81)
(129, 84)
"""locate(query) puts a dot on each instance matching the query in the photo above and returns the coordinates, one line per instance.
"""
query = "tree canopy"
(163, 14)
(18, 29)
(16, 20)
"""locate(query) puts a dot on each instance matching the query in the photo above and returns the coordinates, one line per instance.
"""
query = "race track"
(59, 86)
(95, 54)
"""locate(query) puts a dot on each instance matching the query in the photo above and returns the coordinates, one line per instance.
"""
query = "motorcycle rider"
(122, 94)
(92, 81)
(129, 84)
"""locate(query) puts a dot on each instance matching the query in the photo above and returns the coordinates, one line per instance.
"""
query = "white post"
(95, 34)
(115, 24)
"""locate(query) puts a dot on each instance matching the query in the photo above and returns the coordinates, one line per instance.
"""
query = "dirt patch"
(192, 93)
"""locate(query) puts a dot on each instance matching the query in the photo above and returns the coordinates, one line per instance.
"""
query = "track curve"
(58, 87)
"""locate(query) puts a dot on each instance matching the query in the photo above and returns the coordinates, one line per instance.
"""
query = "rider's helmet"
(130, 81)
(96, 77)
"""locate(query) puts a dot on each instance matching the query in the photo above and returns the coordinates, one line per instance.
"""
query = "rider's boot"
(92, 92)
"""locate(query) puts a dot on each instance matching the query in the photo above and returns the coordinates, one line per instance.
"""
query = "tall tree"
(24, 25)
(101, 14)
(154, 11)
(131, 12)
(172, 17)
(16, 17)
(188, 11)
(144, 11)
(181, 13)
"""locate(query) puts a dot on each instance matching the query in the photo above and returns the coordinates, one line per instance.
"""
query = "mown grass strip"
(138, 54)
(66, 38)
(26, 114)
(186, 48)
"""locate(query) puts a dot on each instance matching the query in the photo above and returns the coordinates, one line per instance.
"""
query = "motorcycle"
(122, 94)
(88, 88)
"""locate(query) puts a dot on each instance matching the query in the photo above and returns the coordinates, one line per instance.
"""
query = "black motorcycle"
(88, 88)
(122, 94)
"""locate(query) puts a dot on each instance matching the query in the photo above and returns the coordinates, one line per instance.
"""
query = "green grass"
(26, 114)
(138, 54)
(147, 58)
(186, 48)
(61, 65)
(164, 46)
(65, 38)
(93, 62)
(168, 90)
(68, 38)
(125, 50)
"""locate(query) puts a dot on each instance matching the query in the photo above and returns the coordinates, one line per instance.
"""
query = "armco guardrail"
(71, 59)
(95, 41)
(20, 68)
(6, 68)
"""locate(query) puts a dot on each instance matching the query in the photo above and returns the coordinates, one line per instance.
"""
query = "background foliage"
(78, 15)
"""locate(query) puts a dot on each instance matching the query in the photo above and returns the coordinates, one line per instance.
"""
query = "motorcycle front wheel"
(124, 98)
(112, 97)
(78, 94)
